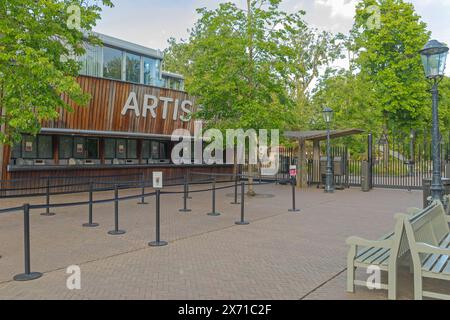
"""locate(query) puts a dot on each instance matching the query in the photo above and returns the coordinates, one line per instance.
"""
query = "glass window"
(110, 148)
(45, 147)
(29, 148)
(132, 149)
(155, 150)
(92, 149)
(151, 71)
(162, 151)
(79, 148)
(133, 68)
(16, 152)
(91, 61)
(145, 153)
(121, 149)
(65, 147)
(112, 63)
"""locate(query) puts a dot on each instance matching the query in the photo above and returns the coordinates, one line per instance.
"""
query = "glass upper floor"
(121, 60)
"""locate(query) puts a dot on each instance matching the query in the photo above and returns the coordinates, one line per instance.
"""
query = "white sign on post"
(157, 180)
(293, 171)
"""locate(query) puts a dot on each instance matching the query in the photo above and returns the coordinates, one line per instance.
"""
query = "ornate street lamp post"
(328, 117)
(434, 56)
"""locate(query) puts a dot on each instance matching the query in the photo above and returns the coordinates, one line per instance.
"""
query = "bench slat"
(369, 253)
(381, 258)
(447, 268)
(440, 264)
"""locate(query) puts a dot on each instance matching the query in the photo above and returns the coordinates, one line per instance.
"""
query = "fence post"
(185, 196)
(116, 230)
(294, 209)
(47, 212)
(370, 159)
(158, 242)
(242, 222)
(91, 223)
(143, 191)
(28, 275)
(235, 190)
(213, 213)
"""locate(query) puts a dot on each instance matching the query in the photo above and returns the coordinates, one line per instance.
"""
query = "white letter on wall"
(131, 99)
(166, 106)
(152, 107)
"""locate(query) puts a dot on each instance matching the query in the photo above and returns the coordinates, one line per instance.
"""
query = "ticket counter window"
(79, 148)
(92, 147)
(110, 148)
(155, 150)
(121, 149)
(145, 153)
(40, 147)
(132, 149)
(65, 146)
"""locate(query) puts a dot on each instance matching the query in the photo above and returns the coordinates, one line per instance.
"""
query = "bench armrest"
(426, 248)
(357, 241)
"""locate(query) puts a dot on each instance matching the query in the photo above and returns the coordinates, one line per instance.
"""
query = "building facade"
(126, 127)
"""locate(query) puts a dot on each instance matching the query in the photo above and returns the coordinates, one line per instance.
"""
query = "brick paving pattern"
(280, 255)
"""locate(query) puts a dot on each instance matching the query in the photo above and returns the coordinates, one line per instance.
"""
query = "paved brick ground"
(280, 255)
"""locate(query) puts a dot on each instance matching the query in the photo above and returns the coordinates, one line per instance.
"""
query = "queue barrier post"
(214, 213)
(116, 231)
(185, 196)
(142, 202)
(28, 275)
(294, 209)
(91, 223)
(242, 222)
(158, 242)
(47, 212)
(235, 190)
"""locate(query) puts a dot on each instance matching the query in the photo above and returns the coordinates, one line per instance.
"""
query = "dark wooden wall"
(103, 113)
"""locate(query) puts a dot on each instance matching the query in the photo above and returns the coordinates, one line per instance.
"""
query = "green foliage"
(251, 68)
(38, 50)
(388, 59)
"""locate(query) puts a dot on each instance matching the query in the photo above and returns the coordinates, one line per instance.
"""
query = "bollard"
(185, 197)
(242, 222)
(91, 224)
(213, 213)
(28, 275)
(294, 209)
(143, 191)
(235, 190)
(158, 242)
(116, 230)
(47, 212)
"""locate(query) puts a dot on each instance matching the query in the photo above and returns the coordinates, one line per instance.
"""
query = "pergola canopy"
(321, 135)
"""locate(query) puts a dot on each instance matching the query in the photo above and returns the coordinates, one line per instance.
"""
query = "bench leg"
(392, 281)
(351, 270)
(418, 285)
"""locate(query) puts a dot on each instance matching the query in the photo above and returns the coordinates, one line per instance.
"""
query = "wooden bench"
(384, 253)
(429, 241)
(364, 253)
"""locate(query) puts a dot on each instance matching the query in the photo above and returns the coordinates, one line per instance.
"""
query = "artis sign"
(181, 109)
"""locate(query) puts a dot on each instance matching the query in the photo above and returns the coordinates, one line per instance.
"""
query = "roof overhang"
(111, 134)
(321, 135)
